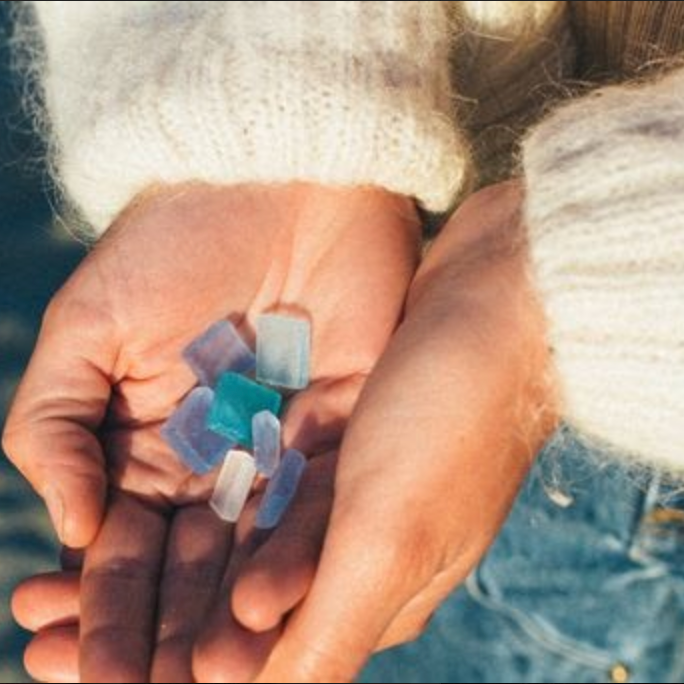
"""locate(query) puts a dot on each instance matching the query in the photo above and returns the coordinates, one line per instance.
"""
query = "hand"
(445, 431)
(107, 372)
(491, 358)
(279, 572)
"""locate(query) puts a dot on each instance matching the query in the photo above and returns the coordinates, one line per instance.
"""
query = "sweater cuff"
(605, 212)
(341, 93)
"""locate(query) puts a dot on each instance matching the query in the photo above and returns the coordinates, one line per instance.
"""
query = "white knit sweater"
(606, 217)
(228, 92)
(141, 93)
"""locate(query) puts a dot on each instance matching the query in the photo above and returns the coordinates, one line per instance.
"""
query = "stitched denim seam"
(542, 632)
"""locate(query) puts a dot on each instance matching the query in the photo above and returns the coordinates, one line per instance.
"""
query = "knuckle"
(324, 662)
(13, 440)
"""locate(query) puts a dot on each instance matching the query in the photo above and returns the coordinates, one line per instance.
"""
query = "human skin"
(107, 371)
(472, 352)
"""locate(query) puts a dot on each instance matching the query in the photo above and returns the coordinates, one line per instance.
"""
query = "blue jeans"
(584, 584)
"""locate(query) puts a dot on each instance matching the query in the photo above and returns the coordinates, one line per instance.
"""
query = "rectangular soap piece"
(283, 351)
(219, 349)
(281, 490)
(187, 434)
(237, 400)
(234, 485)
(266, 437)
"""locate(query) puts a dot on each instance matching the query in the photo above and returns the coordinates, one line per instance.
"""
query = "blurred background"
(35, 258)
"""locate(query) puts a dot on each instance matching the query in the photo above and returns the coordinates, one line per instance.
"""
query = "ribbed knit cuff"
(605, 211)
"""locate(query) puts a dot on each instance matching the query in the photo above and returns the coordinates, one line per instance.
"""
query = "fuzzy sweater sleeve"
(605, 211)
(344, 93)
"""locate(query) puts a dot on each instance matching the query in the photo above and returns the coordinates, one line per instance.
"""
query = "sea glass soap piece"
(283, 351)
(266, 438)
(281, 490)
(234, 485)
(218, 350)
(236, 402)
(187, 434)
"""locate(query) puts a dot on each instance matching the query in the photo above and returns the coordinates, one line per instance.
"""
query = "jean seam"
(542, 632)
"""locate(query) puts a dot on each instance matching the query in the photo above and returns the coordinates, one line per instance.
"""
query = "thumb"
(358, 591)
(50, 433)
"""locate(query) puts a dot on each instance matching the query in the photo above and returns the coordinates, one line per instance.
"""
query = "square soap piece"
(266, 438)
(283, 351)
(237, 400)
(218, 350)
(281, 490)
(234, 485)
(187, 434)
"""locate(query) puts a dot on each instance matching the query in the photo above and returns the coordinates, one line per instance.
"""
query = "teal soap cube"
(237, 400)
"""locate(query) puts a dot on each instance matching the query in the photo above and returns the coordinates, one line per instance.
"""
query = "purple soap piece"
(281, 490)
(218, 350)
(187, 434)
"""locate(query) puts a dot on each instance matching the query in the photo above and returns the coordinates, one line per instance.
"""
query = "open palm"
(108, 371)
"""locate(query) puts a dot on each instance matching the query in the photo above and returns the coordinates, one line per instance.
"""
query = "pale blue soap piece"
(281, 490)
(187, 434)
(266, 436)
(237, 401)
(283, 351)
(218, 350)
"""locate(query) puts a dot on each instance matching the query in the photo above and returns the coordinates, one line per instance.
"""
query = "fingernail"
(55, 506)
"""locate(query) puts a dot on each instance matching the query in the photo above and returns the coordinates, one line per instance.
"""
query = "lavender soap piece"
(266, 438)
(237, 400)
(283, 351)
(234, 485)
(187, 434)
(281, 490)
(218, 350)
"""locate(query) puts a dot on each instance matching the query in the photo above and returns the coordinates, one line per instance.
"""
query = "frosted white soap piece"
(234, 486)
(283, 351)
(266, 440)
(281, 490)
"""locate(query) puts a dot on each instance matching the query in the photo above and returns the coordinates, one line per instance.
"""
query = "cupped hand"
(441, 440)
(107, 371)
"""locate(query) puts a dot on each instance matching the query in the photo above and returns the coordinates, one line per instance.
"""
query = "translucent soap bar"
(234, 486)
(281, 490)
(187, 433)
(218, 350)
(237, 400)
(283, 351)
(266, 438)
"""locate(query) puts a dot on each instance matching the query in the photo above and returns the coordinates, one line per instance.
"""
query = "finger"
(413, 619)
(119, 593)
(52, 656)
(317, 417)
(72, 559)
(196, 558)
(233, 653)
(277, 577)
(356, 594)
(225, 650)
(50, 432)
(47, 601)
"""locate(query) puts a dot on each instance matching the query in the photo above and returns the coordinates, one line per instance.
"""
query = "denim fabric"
(584, 584)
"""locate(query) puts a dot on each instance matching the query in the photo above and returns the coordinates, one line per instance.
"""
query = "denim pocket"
(539, 635)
